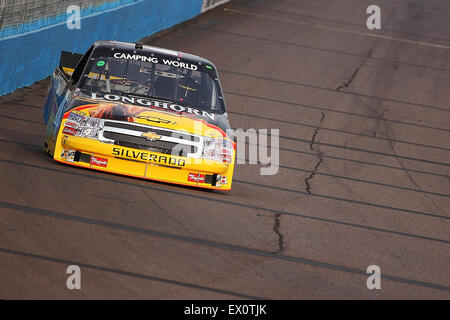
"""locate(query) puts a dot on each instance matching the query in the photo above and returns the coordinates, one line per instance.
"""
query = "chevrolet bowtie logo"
(152, 136)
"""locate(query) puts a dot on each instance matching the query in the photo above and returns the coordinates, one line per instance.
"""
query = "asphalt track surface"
(364, 119)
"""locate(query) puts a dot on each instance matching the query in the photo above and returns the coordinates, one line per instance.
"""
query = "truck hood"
(152, 112)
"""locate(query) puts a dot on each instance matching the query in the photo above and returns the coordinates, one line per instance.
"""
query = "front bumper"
(97, 155)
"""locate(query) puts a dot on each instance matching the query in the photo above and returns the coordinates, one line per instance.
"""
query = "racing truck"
(142, 111)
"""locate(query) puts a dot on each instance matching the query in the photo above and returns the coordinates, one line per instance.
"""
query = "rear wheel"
(48, 147)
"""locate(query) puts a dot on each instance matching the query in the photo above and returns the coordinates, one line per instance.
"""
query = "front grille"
(162, 132)
(169, 142)
(142, 143)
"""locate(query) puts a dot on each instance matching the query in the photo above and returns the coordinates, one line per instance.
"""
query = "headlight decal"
(81, 126)
(217, 149)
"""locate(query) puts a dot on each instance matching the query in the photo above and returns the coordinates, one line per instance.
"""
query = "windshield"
(183, 84)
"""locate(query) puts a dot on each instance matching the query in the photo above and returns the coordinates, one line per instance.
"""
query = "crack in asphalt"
(313, 173)
(319, 154)
(355, 73)
(348, 82)
(276, 229)
(316, 131)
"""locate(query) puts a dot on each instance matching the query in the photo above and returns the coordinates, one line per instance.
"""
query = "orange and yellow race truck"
(141, 111)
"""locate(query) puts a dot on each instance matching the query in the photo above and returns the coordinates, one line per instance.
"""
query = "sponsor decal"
(221, 180)
(152, 103)
(97, 161)
(196, 177)
(72, 124)
(176, 63)
(151, 136)
(68, 130)
(68, 155)
(76, 116)
(146, 156)
(138, 57)
(78, 112)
